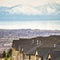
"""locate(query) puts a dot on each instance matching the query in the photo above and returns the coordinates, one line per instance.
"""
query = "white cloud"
(51, 10)
(10, 3)
(57, 1)
(23, 2)
(28, 6)
(25, 10)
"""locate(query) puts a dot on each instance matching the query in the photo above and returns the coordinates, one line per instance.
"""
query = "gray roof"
(45, 46)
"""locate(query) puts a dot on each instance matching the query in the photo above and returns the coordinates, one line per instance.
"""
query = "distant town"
(28, 44)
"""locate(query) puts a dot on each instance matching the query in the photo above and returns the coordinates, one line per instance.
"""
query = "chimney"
(54, 45)
(37, 42)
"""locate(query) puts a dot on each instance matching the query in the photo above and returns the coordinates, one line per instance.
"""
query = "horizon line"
(28, 29)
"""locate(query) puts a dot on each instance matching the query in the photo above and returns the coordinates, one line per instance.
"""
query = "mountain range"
(24, 33)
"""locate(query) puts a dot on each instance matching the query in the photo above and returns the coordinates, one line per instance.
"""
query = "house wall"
(27, 57)
(32, 57)
(16, 55)
(21, 56)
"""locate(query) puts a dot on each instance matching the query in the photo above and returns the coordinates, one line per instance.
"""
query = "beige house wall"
(16, 55)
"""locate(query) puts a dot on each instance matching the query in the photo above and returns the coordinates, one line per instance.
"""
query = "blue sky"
(30, 14)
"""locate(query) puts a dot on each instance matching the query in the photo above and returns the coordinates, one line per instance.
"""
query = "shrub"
(4, 54)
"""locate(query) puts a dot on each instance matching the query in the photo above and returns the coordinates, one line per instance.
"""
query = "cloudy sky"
(30, 14)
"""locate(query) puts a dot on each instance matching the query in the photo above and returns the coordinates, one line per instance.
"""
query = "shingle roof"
(45, 46)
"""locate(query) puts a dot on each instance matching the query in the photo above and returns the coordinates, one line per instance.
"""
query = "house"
(39, 48)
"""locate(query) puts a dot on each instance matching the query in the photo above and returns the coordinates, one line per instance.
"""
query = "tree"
(9, 54)
(4, 54)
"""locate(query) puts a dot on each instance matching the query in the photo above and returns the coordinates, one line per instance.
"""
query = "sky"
(30, 14)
